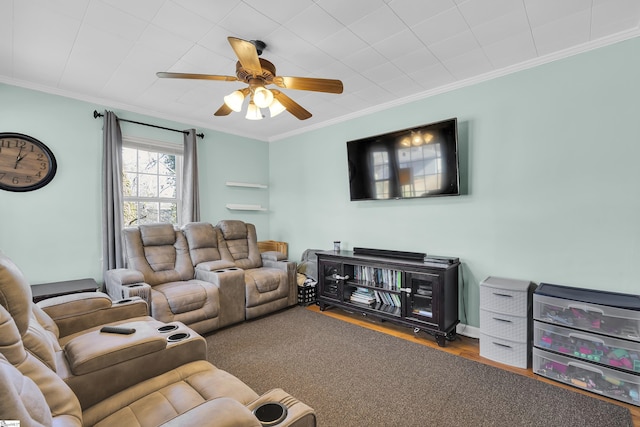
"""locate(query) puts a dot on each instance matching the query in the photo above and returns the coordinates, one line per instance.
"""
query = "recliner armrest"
(220, 412)
(127, 283)
(77, 312)
(288, 266)
(273, 256)
(97, 350)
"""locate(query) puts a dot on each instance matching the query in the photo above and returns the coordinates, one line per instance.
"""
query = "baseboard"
(468, 331)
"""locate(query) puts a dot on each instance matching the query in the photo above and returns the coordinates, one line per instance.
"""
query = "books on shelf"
(383, 278)
(363, 296)
(422, 312)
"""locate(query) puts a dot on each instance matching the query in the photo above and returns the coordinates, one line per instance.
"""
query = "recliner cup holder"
(167, 328)
(222, 270)
(122, 301)
(178, 337)
(135, 285)
(270, 413)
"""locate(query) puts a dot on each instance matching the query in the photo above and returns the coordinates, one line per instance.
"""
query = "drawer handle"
(502, 320)
(586, 308)
(502, 345)
(585, 367)
(503, 295)
(585, 337)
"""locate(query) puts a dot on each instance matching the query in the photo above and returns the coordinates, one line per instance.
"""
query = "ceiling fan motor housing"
(268, 72)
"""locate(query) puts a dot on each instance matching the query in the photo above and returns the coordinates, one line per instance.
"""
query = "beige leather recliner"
(270, 280)
(194, 394)
(63, 333)
(205, 247)
(159, 268)
(101, 379)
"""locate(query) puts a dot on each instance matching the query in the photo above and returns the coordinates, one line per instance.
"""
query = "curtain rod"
(96, 115)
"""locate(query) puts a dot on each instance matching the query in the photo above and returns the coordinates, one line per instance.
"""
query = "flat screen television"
(408, 163)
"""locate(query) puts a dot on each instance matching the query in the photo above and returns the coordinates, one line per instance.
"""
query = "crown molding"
(532, 63)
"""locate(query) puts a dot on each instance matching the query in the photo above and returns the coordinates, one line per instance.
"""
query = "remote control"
(117, 330)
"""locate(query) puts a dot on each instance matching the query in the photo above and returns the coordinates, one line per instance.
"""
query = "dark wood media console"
(422, 294)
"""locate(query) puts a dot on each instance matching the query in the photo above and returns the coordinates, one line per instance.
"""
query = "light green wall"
(548, 156)
(54, 233)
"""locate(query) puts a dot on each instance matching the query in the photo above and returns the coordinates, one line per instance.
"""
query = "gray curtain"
(190, 191)
(112, 247)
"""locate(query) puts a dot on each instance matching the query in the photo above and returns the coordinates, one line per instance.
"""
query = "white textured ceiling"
(386, 52)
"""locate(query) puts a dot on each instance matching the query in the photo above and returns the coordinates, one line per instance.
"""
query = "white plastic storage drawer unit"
(505, 321)
(589, 339)
(604, 350)
(597, 379)
(589, 316)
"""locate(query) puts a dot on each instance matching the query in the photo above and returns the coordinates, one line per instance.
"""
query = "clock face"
(26, 164)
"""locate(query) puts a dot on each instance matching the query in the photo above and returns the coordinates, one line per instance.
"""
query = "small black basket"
(306, 295)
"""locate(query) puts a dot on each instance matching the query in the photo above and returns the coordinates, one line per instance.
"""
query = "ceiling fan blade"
(247, 55)
(224, 110)
(309, 83)
(291, 106)
(196, 76)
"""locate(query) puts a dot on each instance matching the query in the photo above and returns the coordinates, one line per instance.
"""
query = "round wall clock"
(26, 164)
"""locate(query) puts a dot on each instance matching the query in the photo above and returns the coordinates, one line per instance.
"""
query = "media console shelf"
(412, 291)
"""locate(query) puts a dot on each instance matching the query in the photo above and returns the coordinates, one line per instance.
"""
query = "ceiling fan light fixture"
(276, 108)
(262, 97)
(234, 100)
(253, 112)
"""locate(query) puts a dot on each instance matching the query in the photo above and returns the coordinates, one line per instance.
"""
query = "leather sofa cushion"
(157, 234)
(215, 265)
(161, 398)
(233, 229)
(15, 293)
(202, 238)
(21, 398)
(225, 411)
(183, 296)
(264, 285)
(59, 397)
(160, 258)
(265, 279)
(41, 343)
(96, 350)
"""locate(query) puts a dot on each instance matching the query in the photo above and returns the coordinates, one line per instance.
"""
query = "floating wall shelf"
(244, 184)
(237, 207)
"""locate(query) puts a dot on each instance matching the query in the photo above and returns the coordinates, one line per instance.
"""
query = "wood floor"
(462, 346)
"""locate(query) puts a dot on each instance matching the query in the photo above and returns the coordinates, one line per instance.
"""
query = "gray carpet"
(353, 376)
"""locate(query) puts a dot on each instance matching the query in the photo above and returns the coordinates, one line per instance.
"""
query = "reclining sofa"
(202, 275)
(58, 368)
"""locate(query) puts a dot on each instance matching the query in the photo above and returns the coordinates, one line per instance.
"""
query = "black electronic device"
(117, 330)
(415, 256)
(408, 163)
(441, 259)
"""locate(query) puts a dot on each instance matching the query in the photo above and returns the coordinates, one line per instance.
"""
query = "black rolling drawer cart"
(419, 293)
(588, 339)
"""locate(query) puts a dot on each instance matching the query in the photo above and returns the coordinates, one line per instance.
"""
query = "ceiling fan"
(259, 73)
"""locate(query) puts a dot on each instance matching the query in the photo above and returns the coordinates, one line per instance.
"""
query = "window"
(381, 173)
(420, 169)
(152, 171)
